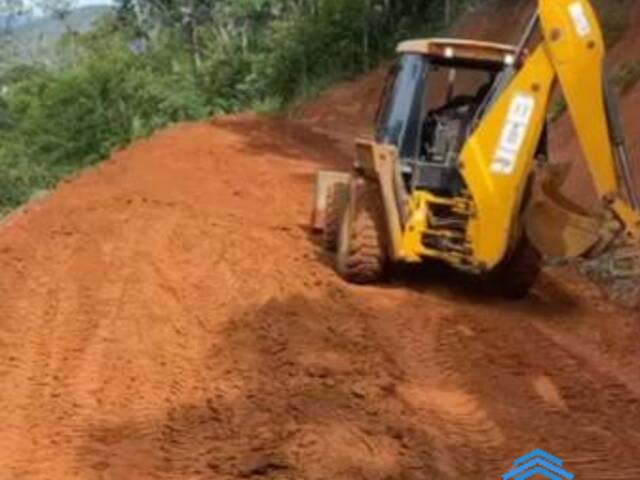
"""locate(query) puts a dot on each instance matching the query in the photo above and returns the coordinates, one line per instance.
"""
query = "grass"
(557, 109)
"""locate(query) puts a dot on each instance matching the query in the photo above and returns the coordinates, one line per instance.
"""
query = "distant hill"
(35, 39)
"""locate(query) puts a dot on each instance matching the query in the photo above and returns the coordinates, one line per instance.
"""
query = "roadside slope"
(168, 315)
(564, 145)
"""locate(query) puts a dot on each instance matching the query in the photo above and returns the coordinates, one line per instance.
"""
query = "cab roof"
(457, 49)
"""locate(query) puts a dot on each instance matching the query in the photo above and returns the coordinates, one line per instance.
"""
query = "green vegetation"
(151, 63)
(146, 64)
(557, 109)
(58, 121)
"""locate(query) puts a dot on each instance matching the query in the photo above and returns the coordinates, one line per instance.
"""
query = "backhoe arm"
(498, 158)
(574, 42)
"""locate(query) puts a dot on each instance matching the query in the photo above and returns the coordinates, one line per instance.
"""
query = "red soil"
(564, 144)
(168, 315)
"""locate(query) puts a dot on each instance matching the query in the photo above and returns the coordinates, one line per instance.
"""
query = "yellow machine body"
(498, 158)
(489, 207)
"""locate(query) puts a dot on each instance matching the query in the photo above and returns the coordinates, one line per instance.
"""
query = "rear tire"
(362, 257)
(514, 278)
(337, 203)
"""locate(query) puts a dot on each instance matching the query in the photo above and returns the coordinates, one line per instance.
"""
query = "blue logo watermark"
(538, 463)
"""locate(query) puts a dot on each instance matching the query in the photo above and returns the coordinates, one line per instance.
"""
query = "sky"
(76, 3)
(84, 3)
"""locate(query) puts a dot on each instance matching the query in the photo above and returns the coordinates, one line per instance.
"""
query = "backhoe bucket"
(556, 226)
(324, 180)
(597, 243)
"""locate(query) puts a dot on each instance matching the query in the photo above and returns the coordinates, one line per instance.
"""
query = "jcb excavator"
(458, 170)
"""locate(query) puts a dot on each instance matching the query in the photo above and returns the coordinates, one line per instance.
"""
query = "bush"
(127, 77)
(55, 122)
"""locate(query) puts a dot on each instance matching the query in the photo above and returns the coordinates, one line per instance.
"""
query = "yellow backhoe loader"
(458, 171)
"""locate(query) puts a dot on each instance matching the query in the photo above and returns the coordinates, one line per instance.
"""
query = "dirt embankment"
(168, 315)
(564, 145)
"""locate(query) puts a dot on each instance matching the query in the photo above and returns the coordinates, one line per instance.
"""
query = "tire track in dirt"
(168, 315)
(466, 441)
(544, 394)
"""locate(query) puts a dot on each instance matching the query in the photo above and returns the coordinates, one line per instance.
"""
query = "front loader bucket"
(556, 226)
(324, 180)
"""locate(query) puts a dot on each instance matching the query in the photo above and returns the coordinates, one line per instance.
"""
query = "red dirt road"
(169, 316)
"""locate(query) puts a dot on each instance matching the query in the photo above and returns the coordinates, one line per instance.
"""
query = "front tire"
(337, 203)
(362, 257)
(514, 277)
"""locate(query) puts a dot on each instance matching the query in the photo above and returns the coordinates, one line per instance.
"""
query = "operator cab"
(433, 98)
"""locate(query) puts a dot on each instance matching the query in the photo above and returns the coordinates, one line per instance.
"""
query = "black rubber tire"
(514, 278)
(337, 203)
(362, 255)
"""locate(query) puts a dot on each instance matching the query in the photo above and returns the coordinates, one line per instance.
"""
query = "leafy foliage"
(160, 61)
(55, 122)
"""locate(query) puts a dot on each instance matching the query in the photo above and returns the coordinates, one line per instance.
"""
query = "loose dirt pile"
(168, 315)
